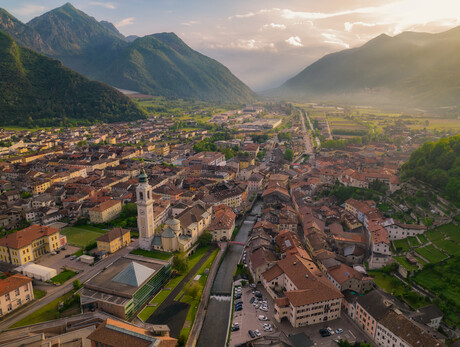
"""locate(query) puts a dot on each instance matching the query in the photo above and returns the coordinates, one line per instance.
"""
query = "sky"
(263, 42)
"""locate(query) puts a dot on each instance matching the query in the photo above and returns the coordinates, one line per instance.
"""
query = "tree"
(193, 290)
(180, 262)
(205, 238)
(289, 154)
(76, 284)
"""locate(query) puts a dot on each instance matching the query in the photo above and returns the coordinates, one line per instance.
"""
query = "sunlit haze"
(262, 42)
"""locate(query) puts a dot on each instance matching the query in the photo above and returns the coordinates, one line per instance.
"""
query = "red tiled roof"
(11, 283)
(26, 236)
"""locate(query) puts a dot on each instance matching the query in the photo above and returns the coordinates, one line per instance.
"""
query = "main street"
(57, 292)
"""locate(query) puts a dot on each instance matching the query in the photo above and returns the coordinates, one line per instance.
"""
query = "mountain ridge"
(158, 64)
(411, 69)
(40, 91)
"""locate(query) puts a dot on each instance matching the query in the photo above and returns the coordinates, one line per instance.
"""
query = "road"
(306, 136)
(56, 292)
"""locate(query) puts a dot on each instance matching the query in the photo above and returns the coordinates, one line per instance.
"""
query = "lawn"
(434, 235)
(172, 283)
(63, 277)
(401, 245)
(422, 238)
(194, 302)
(81, 236)
(451, 230)
(38, 294)
(152, 254)
(388, 283)
(405, 264)
(46, 313)
(413, 242)
(431, 254)
(448, 246)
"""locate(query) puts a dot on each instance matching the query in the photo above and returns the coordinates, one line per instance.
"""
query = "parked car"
(262, 317)
(257, 332)
(235, 328)
(239, 308)
(251, 333)
(263, 308)
(339, 331)
(253, 285)
(252, 300)
(237, 296)
(325, 334)
(68, 255)
(256, 306)
(330, 330)
(239, 303)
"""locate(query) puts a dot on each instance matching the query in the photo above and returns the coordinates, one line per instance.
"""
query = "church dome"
(172, 221)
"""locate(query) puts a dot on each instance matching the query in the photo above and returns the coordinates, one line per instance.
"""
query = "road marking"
(352, 334)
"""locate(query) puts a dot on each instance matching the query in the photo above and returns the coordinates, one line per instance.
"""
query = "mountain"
(162, 64)
(159, 64)
(78, 40)
(25, 35)
(413, 69)
(40, 91)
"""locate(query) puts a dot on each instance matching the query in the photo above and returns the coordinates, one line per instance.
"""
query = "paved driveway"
(59, 261)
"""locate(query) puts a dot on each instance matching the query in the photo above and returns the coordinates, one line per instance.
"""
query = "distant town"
(267, 225)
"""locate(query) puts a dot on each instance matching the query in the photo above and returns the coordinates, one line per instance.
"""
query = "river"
(214, 331)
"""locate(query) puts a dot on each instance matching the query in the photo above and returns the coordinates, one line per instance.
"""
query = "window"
(16, 291)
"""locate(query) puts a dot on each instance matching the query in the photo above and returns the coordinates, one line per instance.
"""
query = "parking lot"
(247, 319)
(59, 261)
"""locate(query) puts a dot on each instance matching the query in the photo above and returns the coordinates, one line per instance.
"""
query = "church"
(179, 234)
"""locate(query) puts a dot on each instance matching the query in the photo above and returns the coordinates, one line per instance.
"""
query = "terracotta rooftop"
(11, 283)
(105, 205)
(26, 236)
(112, 235)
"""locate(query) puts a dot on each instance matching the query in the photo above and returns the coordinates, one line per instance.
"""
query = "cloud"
(190, 23)
(333, 39)
(349, 26)
(273, 26)
(295, 41)
(252, 44)
(108, 5)
(125, 22)
(29, 10)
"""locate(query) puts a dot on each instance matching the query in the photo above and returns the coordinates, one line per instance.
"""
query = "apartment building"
(113, 240)
(29, 244)
(15, 291)
(105, 211)
(309, 297)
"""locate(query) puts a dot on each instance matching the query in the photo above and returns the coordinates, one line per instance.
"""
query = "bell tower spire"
(145, 218)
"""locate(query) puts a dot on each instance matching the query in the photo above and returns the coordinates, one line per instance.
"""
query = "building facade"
(15, 291)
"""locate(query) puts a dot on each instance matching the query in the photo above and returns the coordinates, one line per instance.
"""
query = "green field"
(152, 254)
(448, 246)
(82, 236)
(434, 235)
(63, 277)
(422, 238)
(451, 230)
(172, 283)
(413, 241)
(431, 254)
(44, 314)
(401, 245)
(405, 264)
(388, 283)
(444, 281)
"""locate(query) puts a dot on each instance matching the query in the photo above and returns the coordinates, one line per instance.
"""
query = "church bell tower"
(145, 220)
